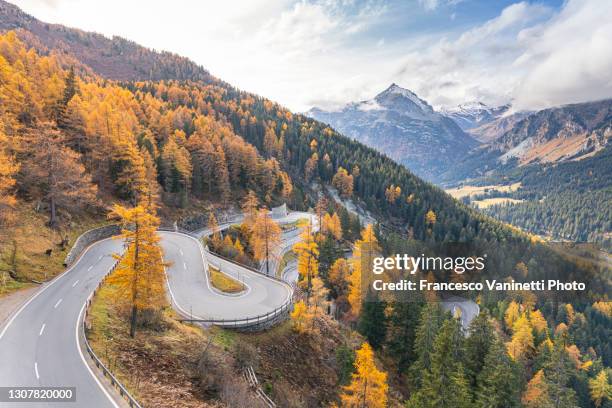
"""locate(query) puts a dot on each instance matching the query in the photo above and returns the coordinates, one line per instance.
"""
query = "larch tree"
(521, 346)
(265, 238)
(600, 388)
(307, 258)
(368, 387)
(8, 169)
(343, 181)
(366, 249)
(331, 226)
(215, 233)
(249, 207)
(537, 395)
(338, 277)
(56, 174)
(140, 271)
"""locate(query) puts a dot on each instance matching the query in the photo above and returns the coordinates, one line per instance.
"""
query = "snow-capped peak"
(395, 90)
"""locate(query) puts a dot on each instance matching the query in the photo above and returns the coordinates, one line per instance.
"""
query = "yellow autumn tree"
(600, 388)
(537, 394)
(8, 169)
(512, 314)
(343, 181)
(300, 317)
(368, 387)
(538, 322)
(265, 238)
(139, 275)
(430, 217)
(338, 275)
(332, 226)
(366, 249)
(215, 234)
(392, 193)
(521, 345)
(307, 252)
(249, 210)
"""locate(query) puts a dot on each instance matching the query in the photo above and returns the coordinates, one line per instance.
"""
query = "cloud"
(528, 55)
(567, 59)
(328, 52)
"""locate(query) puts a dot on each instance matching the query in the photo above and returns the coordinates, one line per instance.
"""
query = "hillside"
(113, 58)
(404, 127)
(82, 139)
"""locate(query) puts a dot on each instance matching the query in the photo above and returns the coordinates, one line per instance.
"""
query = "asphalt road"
(467, 308)
(39, 344)
(193, 295)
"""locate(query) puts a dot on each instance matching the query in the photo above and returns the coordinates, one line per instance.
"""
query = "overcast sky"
(326, 53)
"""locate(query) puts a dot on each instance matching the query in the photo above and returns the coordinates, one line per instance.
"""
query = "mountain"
(569, 132)
(404, 127)
(471, 115)
(554, 135)
(114, 58)
(483, 122)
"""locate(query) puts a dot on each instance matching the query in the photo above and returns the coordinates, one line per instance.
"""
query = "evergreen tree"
(432, 317)
(445, 384)
(403, 324)
(498, 384)
(477, 346)
(372, 321)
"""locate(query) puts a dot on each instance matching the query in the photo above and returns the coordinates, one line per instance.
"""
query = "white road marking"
(78, 346)
(184, 265)
(90, 268)
(57, 304)
(42, 329)
(181, 251)
(75, 283)
(36, 370)
(100, 258)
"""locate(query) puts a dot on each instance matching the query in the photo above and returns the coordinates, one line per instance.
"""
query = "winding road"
(41, 344)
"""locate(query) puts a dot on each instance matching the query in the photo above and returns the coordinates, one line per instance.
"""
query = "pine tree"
(444, 384)
(372, 321)
(402, 329)
(431, 320)
(558, 372)
(477, 346)
(498, 384)
(140, 273)
(368, 387)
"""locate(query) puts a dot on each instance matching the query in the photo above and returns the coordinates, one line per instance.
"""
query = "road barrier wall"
(88, 238)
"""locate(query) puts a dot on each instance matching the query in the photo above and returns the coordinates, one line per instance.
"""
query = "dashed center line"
(90, 268)
(42, 329)
(185, 265)
(181, 251)
(57, 304)
(75, 283)
(36, 370)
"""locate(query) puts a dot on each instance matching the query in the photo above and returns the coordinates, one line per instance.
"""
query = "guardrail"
(254, 321)
(99, 364)
(248, 322)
